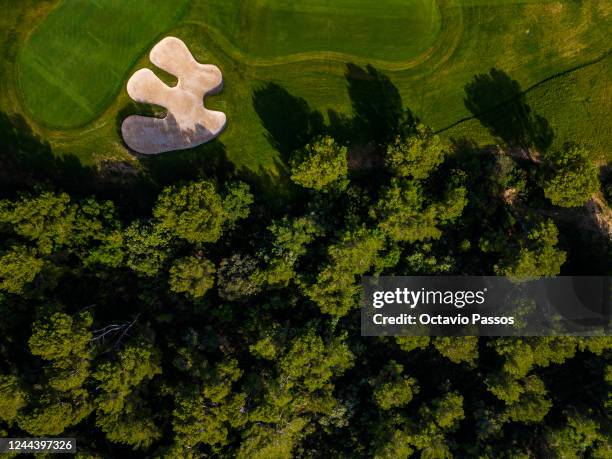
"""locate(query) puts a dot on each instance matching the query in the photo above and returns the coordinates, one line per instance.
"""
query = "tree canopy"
(218, 318)
(320, 164)
(572, 178)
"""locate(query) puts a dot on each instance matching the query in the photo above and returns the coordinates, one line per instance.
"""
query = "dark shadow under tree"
(378, 112)
(27, 161)
(500, 105)
(289, 121)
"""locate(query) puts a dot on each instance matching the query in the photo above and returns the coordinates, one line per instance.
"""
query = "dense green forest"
(212, 317)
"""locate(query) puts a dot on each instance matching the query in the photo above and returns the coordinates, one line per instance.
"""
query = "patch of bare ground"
(509, 195)
(520, 153)
(595, 216)
(365, 156)
(117, 171)
(600, 213)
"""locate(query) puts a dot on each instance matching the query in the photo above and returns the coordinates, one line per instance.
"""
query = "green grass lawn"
(576, 104)
(77, 59)
(430, 50)
(394, 30)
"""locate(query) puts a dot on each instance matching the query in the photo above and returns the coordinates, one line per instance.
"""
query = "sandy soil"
(188, 123)
(601, 214)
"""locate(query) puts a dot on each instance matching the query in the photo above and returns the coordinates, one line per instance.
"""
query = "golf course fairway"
(393, 30)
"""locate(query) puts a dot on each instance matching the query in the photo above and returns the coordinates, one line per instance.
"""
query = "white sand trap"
(188, 123)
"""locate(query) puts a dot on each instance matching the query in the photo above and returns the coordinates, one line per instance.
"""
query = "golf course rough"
(187, 123)
(77, 59)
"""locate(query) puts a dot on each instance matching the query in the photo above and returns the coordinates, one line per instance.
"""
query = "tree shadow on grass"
(289, 121)
(28, 164)
(27, 161)
(378, 115)
(208, 160)
(500, 105)
(378, 112)
(605, 175)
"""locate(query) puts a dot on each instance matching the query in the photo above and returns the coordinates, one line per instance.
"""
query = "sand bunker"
(188, 123)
